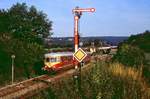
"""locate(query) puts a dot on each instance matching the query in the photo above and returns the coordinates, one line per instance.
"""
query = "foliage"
(95, 42)
(130, 55)
(26, 24)
(131, 52)
(140, 40)
(103, 81)
(22, 30)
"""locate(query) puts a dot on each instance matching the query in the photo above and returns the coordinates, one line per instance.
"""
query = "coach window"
(47, 59)
(52, 59)
(58, 59)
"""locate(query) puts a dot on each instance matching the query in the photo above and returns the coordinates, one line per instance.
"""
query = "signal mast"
(77, 15)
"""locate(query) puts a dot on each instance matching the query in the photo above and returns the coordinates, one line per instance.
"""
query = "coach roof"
(59, 54)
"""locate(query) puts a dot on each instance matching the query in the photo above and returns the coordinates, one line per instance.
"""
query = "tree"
(26, 23)
(130, 55)
(132, 51)
(22, 29)
(141, 40)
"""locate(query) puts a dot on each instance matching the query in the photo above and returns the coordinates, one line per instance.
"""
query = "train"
(57, 61)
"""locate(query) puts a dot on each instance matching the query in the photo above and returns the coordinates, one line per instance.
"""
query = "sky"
(112, 17)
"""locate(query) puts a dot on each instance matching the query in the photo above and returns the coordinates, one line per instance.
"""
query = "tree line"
(22, 31)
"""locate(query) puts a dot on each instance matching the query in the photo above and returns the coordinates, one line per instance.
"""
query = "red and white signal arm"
(79, 55)
(84, 10)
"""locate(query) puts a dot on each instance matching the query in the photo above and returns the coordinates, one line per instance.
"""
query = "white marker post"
(12, 76)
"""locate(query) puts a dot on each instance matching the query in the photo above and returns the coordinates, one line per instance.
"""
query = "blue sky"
(112, 17)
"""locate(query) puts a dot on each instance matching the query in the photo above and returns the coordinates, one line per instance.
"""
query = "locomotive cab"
(55, 61)
(51, 61)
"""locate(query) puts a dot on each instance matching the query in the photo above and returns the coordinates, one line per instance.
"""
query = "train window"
(58, 59)
(47, 59)
(52, 59)
(64, 58)
(70, 58)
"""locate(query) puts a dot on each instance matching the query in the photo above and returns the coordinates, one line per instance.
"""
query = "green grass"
(103, 81)
(147, 55)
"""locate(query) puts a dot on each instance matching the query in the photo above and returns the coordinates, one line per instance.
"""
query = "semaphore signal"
(79, 54)
(83, 10)
(77, 15)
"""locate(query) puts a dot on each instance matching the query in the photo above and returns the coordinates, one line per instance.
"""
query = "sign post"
(79, 55)
(77, 15)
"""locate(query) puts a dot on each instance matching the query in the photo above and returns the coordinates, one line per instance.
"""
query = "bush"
(38, 68)
(141, 40)
(130, 55)
(103, 81)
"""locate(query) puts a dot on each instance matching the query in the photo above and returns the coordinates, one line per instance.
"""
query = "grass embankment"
(103, 81)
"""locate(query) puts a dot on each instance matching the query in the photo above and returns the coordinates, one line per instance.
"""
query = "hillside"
(69, 41)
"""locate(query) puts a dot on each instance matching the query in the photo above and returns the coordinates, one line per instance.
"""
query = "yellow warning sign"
(80, 55)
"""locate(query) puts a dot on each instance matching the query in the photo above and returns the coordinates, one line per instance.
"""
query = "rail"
(32, 86)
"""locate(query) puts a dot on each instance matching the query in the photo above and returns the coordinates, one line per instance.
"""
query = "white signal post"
(77, 15)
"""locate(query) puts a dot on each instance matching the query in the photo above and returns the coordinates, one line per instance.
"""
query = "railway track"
(32, 86)
(9, 91)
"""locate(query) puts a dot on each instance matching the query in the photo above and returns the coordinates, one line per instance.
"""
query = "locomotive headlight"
(47, 65)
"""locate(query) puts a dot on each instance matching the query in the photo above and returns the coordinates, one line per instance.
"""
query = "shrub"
(130, 55)
(103, 81)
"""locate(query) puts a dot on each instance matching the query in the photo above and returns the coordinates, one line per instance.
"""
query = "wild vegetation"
(22, 30)
(123, 78)
(103, 81)
(141, 40)
(134, 52)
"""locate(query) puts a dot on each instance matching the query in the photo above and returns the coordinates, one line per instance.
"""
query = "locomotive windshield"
(52, 59)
